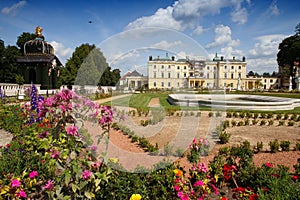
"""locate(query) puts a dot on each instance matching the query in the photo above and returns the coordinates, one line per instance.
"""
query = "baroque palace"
(218, 73)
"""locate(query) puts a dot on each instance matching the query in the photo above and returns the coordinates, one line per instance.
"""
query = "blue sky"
(128, 31)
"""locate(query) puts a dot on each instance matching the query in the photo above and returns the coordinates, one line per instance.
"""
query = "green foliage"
(224, 137)
(285, 145)
(274, 146)
(197, 149)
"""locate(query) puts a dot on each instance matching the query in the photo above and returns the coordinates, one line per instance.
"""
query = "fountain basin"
(234, 101)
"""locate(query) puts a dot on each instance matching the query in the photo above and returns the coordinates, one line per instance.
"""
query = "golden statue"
(38, 31)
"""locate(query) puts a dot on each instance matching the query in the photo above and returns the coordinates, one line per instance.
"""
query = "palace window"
(178, 67)
(232, 67)
(162, 66)
(154, 84)
(184, 75)
(169, 84)
(154, 75)
(162, 75)
(169, 75)
(225, 75)
(178, 75)
(232, 76)
(154, 66)
(162, 84)
(240, 67)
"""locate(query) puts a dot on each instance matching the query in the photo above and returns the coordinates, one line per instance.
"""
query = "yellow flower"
(135, 197)
(178, 172)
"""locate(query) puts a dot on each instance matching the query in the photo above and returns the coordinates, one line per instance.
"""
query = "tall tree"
(289, 51)
(9, 69)
(88, 66)
(23, 38)
(69, 72)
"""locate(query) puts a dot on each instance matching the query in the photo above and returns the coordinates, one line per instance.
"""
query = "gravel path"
(5, 137)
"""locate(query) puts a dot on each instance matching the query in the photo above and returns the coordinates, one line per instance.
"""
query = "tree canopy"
(23, 38)
(88, 66)
(289, 52)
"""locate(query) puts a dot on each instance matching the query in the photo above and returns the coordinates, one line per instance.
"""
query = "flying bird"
(90, 22)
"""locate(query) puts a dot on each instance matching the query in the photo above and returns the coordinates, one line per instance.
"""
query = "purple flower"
(33, 97)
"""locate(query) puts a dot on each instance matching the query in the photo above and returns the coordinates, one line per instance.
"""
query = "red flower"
(268, 165)
(223, 198)
(8, 145)
(253, 197)
(295, 177)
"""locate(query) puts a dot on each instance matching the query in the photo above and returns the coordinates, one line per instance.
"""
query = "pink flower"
(72, 130)
(183, 196)
(86, 174)
(96, 164)
(202, 167)
(21, 194)
(43, 135)
(93, 148)
(176, 187)
(55, 154)
(15, 183)
(49, 185)
(33, 174)
(269, 165)
(198, 183)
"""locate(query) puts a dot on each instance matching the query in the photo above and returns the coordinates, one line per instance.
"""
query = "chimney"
(173, 58)
(150, 58)
(244, 59)
(233, 58)
(222, 58)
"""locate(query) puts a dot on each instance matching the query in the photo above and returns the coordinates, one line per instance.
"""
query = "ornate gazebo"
(38, 64)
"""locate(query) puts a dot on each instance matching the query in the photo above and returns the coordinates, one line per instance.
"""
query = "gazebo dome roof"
(38, 46)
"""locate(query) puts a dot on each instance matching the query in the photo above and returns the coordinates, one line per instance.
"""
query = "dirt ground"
(251, 133)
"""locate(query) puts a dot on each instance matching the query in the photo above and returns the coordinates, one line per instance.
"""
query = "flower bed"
(52, 157)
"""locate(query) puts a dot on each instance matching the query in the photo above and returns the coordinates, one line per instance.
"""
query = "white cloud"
(161, 18)
(166, 45)
(261, 65)
(263, 56)
(273, 9)
(267, 46)
(184, 14)
(198, 30)
(12, 10)
(223, 37)
(239, 16)
(61, 51)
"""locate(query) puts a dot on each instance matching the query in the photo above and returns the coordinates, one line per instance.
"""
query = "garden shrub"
(291, 123)
(240, 123)
(233, 123)
(263, 122)
(281, 123)
(285, 145)
(224, 137)
(254, 121)
(228, 114)
(197, 149)
(210, 114)
(274, 146)
(279, 116)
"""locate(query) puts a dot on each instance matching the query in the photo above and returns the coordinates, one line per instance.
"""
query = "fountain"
(234, 101)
